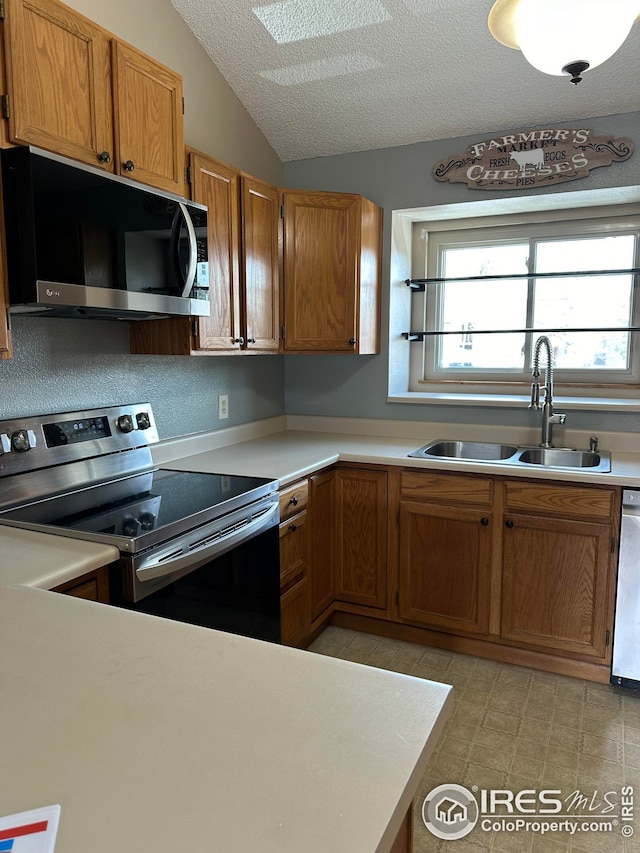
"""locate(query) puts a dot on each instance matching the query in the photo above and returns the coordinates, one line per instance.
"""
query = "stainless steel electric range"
(200, 548)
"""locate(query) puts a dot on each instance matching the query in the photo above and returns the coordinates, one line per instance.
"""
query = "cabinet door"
(59, 81)
(555, 593)
(294, 614)
(148, 120)
(322, 557)
(260, 218)
(361, 534)
(445, 566)
(93, 586)
(218, 186)
(294, 549)
(321, 250)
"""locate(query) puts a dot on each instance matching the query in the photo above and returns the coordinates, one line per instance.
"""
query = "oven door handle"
(195, 551)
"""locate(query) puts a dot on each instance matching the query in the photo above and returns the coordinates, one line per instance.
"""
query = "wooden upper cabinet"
(148, 121)
(332, 270)
(260, 264)
(66, 74)
(218, 186)
(243, 219)
(58, 80)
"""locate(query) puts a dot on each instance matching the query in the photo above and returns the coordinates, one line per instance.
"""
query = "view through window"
(584, 283)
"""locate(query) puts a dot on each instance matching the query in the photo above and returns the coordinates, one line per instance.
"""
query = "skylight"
(297, 20)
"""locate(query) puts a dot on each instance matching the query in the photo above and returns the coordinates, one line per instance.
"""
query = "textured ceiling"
(323, 77)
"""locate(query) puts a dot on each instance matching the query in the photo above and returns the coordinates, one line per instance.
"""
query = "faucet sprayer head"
(535, 396)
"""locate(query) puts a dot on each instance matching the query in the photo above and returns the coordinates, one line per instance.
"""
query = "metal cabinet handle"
(293, 527)
(238, 341)
(251, 340)
(508, 523)
(294, 501)
(484, 521)
(128, 165)
(352, 341)
(104, 157)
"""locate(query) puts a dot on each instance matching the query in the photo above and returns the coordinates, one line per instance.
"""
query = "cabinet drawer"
(565, 500)
(293, 499)
(426, 485)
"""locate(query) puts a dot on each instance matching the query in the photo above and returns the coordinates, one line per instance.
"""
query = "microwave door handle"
(193, 251)
(181, 213)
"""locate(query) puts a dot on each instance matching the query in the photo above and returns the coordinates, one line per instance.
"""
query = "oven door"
(223, 575)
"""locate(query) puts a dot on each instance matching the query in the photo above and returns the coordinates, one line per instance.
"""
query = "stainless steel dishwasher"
(625, 669)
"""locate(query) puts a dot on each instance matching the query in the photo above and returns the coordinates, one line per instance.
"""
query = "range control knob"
(147, 520)
(5, 443)
(130, 527)
(143, 420)
(125, 423)
(23, 440)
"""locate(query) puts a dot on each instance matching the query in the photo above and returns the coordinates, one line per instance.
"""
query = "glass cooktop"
(144, 509)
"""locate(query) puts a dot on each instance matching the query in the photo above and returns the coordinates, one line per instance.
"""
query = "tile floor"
(515, 728)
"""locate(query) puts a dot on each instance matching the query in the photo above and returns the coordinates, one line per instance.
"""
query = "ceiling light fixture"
(565, 37)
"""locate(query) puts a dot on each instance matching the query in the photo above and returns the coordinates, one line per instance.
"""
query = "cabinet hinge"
(282, 331)
(182, 96)
(188, 175)
(1, 10)
(607, 638)
(282, 211)
(5, 106)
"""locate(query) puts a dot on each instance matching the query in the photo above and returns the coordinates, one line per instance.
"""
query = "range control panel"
(30, 443)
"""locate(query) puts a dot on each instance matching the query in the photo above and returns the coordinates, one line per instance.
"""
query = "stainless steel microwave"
(84, 243)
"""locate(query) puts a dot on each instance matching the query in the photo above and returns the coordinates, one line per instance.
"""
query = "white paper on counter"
(33, 831)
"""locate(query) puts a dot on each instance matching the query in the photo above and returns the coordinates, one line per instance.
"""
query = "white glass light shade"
(554, 33)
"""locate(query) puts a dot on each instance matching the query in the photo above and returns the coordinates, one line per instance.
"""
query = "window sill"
(515, 401)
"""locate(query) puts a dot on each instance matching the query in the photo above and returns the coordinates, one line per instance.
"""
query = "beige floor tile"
(630, 734)
(610, 750)
(501, 722)
(530, 768)
(547, 844)
(564, 738)
(595, 772)
(562, 757)
(483, 777)
(535, 730)
(488, 757)
(529, 749)
(632, 755)
(496, 740)
(612, 730)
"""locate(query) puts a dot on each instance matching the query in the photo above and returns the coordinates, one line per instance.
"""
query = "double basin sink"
(545, 457)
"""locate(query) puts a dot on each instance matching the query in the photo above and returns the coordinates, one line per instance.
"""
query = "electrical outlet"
(223, 406)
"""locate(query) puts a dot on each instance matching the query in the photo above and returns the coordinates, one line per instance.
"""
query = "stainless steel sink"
(487, 451)
(562, 457)
(475, 451)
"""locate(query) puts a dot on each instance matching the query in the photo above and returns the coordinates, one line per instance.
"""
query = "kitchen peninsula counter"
(155, 735)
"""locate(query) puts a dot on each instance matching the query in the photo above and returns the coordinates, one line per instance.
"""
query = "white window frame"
(428, 236)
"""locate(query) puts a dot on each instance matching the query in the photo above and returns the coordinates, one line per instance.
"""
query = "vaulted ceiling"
(323, 77)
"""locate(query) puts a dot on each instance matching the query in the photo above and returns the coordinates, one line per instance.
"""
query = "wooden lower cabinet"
(559, 569)
(93, 586)
(361, 536)
(294, 565)
(445, 551)
(322, 558)
(445, 567)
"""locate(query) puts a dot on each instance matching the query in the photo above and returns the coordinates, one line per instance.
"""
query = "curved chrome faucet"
(548, 417)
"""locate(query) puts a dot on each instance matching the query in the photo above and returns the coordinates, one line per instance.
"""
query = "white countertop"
(291, 454)
(154, 735)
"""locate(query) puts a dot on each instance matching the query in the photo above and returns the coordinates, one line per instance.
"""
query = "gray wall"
(398, 179)
(61, 365)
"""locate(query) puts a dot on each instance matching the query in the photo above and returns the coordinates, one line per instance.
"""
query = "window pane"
(592, 301)
(469, 305)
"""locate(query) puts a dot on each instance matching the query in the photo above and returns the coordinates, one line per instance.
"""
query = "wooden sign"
(532, 158)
